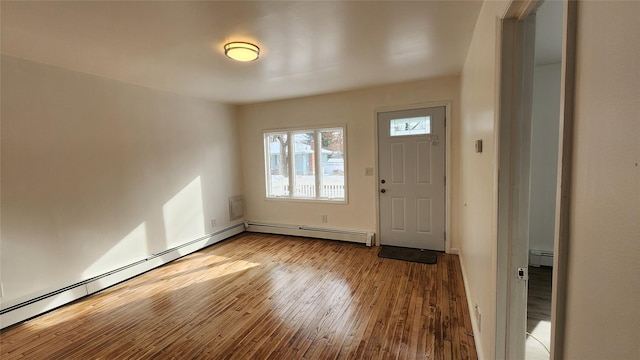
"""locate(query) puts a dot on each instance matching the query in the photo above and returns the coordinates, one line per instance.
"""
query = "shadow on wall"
(179, 220)
(98, 174)
(183, 218)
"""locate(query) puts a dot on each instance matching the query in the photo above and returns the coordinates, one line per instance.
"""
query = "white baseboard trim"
(41, 304)
(358, 236)
(474, 321)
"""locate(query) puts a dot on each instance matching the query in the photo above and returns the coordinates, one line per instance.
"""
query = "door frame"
(514, 139)
(447, 163)
(514, 100)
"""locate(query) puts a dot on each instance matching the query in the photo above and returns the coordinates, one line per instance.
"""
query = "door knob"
(383, 181)
(383, 191)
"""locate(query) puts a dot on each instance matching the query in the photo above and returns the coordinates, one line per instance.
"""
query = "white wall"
(477, 181)
(356, 109)
(97, 174)
(544, 156)
(603, 285)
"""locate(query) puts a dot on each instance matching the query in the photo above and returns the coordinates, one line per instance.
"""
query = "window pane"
(304, 162)
(277, 164)
(410, 126)
(332, 164)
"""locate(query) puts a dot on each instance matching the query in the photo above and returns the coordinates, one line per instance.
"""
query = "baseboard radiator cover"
(363, 237)
(25, 310)
(474, 320)
(539, 258)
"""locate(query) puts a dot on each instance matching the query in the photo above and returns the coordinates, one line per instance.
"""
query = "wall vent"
(236, 207)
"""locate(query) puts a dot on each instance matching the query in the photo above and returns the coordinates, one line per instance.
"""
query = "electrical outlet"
(324, 218)
(213, 222)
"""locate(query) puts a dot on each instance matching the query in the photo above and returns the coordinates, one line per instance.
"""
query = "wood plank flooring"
(259, 296)
(538, 340)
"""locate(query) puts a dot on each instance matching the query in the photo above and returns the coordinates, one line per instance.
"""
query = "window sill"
(308, 200)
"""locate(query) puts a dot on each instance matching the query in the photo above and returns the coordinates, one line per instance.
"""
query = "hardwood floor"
(259, 296)
(538, 340)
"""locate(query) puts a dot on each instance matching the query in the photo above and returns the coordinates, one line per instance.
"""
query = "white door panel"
(411, 156)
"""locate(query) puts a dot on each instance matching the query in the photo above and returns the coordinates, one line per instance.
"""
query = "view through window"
(306, 164)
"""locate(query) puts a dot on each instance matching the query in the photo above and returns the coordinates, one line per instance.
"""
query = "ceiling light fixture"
(241, 51)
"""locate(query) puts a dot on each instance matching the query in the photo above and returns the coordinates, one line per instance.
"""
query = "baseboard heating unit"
(23, 310)
(539, 258)
(363, 237)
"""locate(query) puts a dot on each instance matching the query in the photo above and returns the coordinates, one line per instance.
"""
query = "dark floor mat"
(408, 254)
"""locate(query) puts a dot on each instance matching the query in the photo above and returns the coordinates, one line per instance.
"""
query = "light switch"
(479, 146)
(368, 172)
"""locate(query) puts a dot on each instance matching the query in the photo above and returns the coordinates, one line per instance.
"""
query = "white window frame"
(317, 163)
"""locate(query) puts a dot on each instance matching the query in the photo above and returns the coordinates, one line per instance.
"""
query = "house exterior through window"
(307, 164)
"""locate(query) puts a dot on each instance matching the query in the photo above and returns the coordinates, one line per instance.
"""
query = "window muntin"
(420, 125)
(317, 157)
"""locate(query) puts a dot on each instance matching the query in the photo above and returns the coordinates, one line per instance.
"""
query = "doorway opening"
(536, 117)
(545, 126)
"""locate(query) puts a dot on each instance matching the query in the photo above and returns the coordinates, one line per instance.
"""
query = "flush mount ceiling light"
(241, 51)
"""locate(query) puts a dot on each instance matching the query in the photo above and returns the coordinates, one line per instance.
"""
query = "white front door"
(411, 183)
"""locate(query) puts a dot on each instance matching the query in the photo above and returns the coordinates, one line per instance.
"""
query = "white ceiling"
(308, 47)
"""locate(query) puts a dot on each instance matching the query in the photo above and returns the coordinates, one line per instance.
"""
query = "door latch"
(523, 273)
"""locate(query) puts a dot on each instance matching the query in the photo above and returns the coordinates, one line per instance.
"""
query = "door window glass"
(410, 126)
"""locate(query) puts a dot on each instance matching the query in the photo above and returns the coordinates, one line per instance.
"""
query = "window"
(410, 126)
(306, 164)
